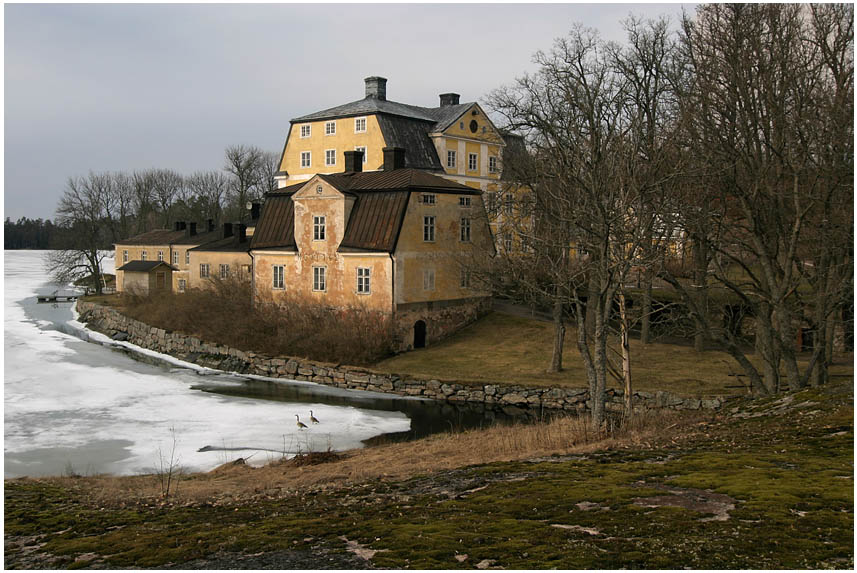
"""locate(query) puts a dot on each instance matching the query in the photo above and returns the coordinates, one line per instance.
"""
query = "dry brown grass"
(560, 435)
(294, 327)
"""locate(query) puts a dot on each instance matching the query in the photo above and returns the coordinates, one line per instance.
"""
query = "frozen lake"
(69, 403)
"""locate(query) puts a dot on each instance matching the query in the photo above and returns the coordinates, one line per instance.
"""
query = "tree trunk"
(559, 337)
(626, 355)
(646, 317)
(767, 349)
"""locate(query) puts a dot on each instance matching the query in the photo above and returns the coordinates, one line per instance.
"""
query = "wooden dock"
(58, 296)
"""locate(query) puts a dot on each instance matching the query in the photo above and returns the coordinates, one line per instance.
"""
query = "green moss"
(788, 471)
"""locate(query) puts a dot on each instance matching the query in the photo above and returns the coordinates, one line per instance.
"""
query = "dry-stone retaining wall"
(192, 349)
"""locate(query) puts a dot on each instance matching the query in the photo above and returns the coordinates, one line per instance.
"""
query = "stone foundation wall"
(442, 318)
(192, 349)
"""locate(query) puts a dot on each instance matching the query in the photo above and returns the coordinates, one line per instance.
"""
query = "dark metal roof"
(199, 238)
(407, 179)
(375, 222)
(153, 237)
(144, 266)
(276, 226)
(229, 244)
(412, 136)
(376, 217)
(442, 117)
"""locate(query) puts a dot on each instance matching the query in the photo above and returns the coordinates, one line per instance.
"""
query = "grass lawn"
(510, 349)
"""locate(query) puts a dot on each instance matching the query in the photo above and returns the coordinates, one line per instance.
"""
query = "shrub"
(225, 313)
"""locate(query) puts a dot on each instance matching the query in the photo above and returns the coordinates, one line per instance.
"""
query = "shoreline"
(191, 352)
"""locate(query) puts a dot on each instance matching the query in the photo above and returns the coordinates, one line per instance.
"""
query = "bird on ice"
(312, 418)
(300, 424)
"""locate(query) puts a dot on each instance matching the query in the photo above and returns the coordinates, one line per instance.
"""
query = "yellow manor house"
(397, 241)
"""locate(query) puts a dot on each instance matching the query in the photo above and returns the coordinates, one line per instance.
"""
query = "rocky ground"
(763, 484)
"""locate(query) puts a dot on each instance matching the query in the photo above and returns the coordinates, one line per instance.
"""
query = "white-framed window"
(465, 230)
(306, 131)
(182, 285)
(279, 273)
(204, 270)
(175, 257)
(359, 125)
(363, 278)
(144, 256)
(319, 282)
(224, 271)
(429, 199)
(507, 242)
(330, 157)
(507, 204)
(473, 162)
(187, 257)
(492, 164)
(428, 228)
(318, 227)
(461, 125)
(465, 278)
(363, 149)
(306, 158)
(160, 255)
(464, 201)
(330, 128)
(124, 256)
(450, 158)
(492, 201)
(428, 279)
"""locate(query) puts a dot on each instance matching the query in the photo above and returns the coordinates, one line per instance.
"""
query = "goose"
(312, 418)
(300, 424)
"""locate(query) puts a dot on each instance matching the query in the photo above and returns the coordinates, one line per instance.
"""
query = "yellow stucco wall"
(344, 140)
(239, 266)
(446, 255)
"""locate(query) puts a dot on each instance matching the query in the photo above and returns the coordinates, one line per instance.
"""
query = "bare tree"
(590, 222)
(84, 217)
(758, 101)
(209, 189)
(166, 186)
(244, 164)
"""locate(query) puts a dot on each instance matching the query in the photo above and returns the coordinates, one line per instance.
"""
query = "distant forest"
(30, 234)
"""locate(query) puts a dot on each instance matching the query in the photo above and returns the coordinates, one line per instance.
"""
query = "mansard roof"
(381, 200)
(372, 105)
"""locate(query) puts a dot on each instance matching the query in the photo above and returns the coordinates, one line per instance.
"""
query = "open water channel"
(74, 401)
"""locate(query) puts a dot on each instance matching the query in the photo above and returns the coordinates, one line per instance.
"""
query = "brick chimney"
(191, 229)
(180, 225)
(210, 225)
(227, 230)
(394, 158)
(376, 87)
(353, 161)
(449, 99)
(255, 210)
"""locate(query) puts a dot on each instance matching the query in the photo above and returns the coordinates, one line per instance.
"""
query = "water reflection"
(427, 416)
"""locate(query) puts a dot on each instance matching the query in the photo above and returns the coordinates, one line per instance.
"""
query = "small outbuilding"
(146, 277)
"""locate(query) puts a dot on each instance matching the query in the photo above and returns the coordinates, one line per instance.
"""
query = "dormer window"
(306, 131)
(360, 125)
(330, 128)
(318, 228)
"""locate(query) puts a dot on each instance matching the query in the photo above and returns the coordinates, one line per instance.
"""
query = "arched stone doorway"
(420, 334)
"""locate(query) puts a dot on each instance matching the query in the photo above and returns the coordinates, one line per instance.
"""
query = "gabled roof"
(198, 239)
(144, 266)
(153, 237)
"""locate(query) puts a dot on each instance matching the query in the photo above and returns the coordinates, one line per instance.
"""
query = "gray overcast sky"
(124, 87)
